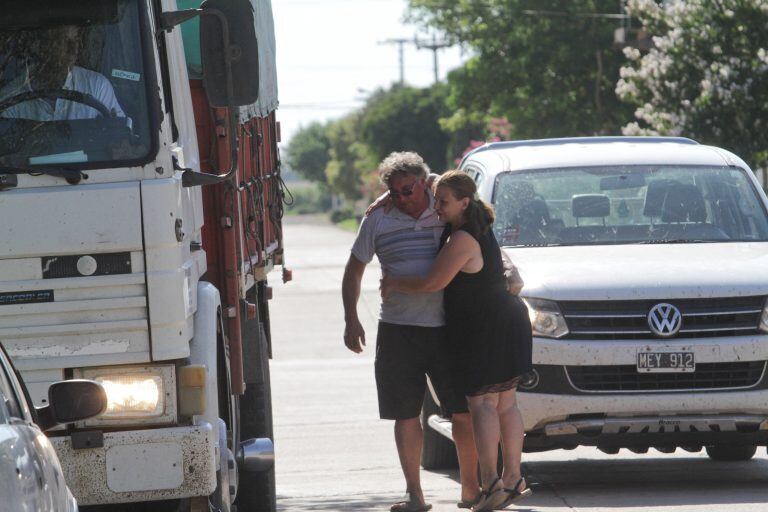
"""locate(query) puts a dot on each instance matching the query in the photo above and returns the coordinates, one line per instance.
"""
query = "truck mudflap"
(141, 465)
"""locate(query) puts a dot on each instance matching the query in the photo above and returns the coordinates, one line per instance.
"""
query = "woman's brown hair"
(479, 215)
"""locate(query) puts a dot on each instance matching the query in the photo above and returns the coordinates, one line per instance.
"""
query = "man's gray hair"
(401, 164)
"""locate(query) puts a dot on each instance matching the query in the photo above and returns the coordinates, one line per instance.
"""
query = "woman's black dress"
(489, 330)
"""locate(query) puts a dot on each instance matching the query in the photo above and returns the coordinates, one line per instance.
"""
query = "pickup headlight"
(764, 318)
(135, 394)
(546, 319)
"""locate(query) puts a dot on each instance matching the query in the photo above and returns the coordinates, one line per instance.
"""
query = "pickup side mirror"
(229, 52)
(70, 401)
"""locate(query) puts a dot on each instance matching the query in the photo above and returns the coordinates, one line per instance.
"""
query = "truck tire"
(731, 453)
(437, 451)
(256, 491)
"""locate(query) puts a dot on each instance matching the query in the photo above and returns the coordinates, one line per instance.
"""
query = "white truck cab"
(116, 265)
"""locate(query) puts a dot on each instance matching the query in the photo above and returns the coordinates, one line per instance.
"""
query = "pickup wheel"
(256, 491)
(437, 452)
(731, 453)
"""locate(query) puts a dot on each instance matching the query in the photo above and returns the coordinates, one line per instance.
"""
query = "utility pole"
(400, 42)
(433, 45)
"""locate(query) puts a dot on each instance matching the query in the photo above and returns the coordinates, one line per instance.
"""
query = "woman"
(489, 332)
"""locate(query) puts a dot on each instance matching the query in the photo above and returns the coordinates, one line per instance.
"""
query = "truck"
(140, 204)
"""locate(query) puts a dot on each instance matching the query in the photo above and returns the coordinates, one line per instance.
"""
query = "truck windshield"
(75, 94)
(627, 205)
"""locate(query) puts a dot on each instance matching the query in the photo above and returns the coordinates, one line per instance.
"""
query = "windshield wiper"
(73, 176)
(675, 241)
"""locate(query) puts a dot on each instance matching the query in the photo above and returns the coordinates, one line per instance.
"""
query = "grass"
(349, 225)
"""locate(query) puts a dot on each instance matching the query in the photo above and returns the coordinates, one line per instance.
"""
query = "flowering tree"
(497, 129)
(707, 75)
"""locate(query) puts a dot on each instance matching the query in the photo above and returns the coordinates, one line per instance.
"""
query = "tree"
(350, 158)
(547, 66)
(707, 76)
(407, 119)
(308, 152)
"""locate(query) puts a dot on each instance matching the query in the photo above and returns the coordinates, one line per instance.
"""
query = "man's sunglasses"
(394, 194)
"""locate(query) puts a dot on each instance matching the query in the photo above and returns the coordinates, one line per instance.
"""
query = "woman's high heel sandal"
(493, 497)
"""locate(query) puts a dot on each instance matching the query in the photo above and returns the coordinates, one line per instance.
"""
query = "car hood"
(655, 271)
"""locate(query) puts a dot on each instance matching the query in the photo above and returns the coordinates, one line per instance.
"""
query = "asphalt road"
(334, 454)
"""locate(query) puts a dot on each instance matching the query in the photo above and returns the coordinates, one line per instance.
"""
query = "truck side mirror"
(229, 53)
(70, 401)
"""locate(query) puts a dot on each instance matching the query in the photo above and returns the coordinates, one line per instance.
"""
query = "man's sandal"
(409, 504)
(515, 494)
(491, 499)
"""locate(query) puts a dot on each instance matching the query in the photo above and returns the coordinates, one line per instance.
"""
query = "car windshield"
(74, 93)
(627, 205)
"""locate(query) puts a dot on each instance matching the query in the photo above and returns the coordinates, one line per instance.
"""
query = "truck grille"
(628, 319)
(627, 378)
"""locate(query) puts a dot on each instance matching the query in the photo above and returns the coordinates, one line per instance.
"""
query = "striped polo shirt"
(405, 247)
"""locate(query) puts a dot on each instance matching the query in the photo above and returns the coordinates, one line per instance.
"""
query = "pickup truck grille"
(626, 377)
(628, 319)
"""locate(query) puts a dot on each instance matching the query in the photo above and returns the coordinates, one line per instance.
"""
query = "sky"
(329, 56)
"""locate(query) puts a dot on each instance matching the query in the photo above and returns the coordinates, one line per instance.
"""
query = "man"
(411, 327)
(53, 53)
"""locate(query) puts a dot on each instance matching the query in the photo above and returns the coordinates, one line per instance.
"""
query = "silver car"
(31, 479)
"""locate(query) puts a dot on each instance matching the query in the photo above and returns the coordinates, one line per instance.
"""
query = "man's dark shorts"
(404, 354)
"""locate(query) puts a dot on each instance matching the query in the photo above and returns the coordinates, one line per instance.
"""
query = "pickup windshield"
(74, 93)
(627, 205)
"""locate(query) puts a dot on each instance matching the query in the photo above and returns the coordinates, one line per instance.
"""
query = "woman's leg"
(512, 432)
(485, 423)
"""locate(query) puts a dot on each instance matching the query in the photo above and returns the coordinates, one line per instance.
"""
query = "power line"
(564, 14)
(435, 46)
(421, 44)
(400, 42)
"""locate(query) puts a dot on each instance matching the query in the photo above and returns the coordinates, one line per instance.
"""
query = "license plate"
(665, 361)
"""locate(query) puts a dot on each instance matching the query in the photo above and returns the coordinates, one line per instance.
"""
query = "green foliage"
(351, 224)
(707, 76)
(407, 119)
(350, 158)
(342, 214)
(307, 153)
(550, 73)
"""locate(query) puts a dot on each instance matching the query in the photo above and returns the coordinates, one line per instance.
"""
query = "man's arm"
(354, 334)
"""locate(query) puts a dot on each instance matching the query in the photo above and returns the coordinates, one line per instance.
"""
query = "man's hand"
(354, 336)
(385, 285)
(514, 281)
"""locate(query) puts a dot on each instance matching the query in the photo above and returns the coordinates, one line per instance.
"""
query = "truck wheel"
(731, 453)
(256, 490)
(437, 452)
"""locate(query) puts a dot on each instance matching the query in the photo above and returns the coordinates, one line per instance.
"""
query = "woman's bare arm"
(456, 252)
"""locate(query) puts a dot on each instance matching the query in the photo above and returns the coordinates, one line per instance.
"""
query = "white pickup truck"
(645, 263)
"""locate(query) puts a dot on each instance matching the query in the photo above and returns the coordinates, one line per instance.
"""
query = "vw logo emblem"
(665, 320)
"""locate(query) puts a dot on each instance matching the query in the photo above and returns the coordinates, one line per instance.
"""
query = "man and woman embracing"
(449, 311)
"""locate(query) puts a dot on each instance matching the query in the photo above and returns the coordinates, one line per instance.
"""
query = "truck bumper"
(142, 465)
(540, 410)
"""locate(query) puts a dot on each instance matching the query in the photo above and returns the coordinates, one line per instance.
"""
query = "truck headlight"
(546, 319)
(135, 394)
